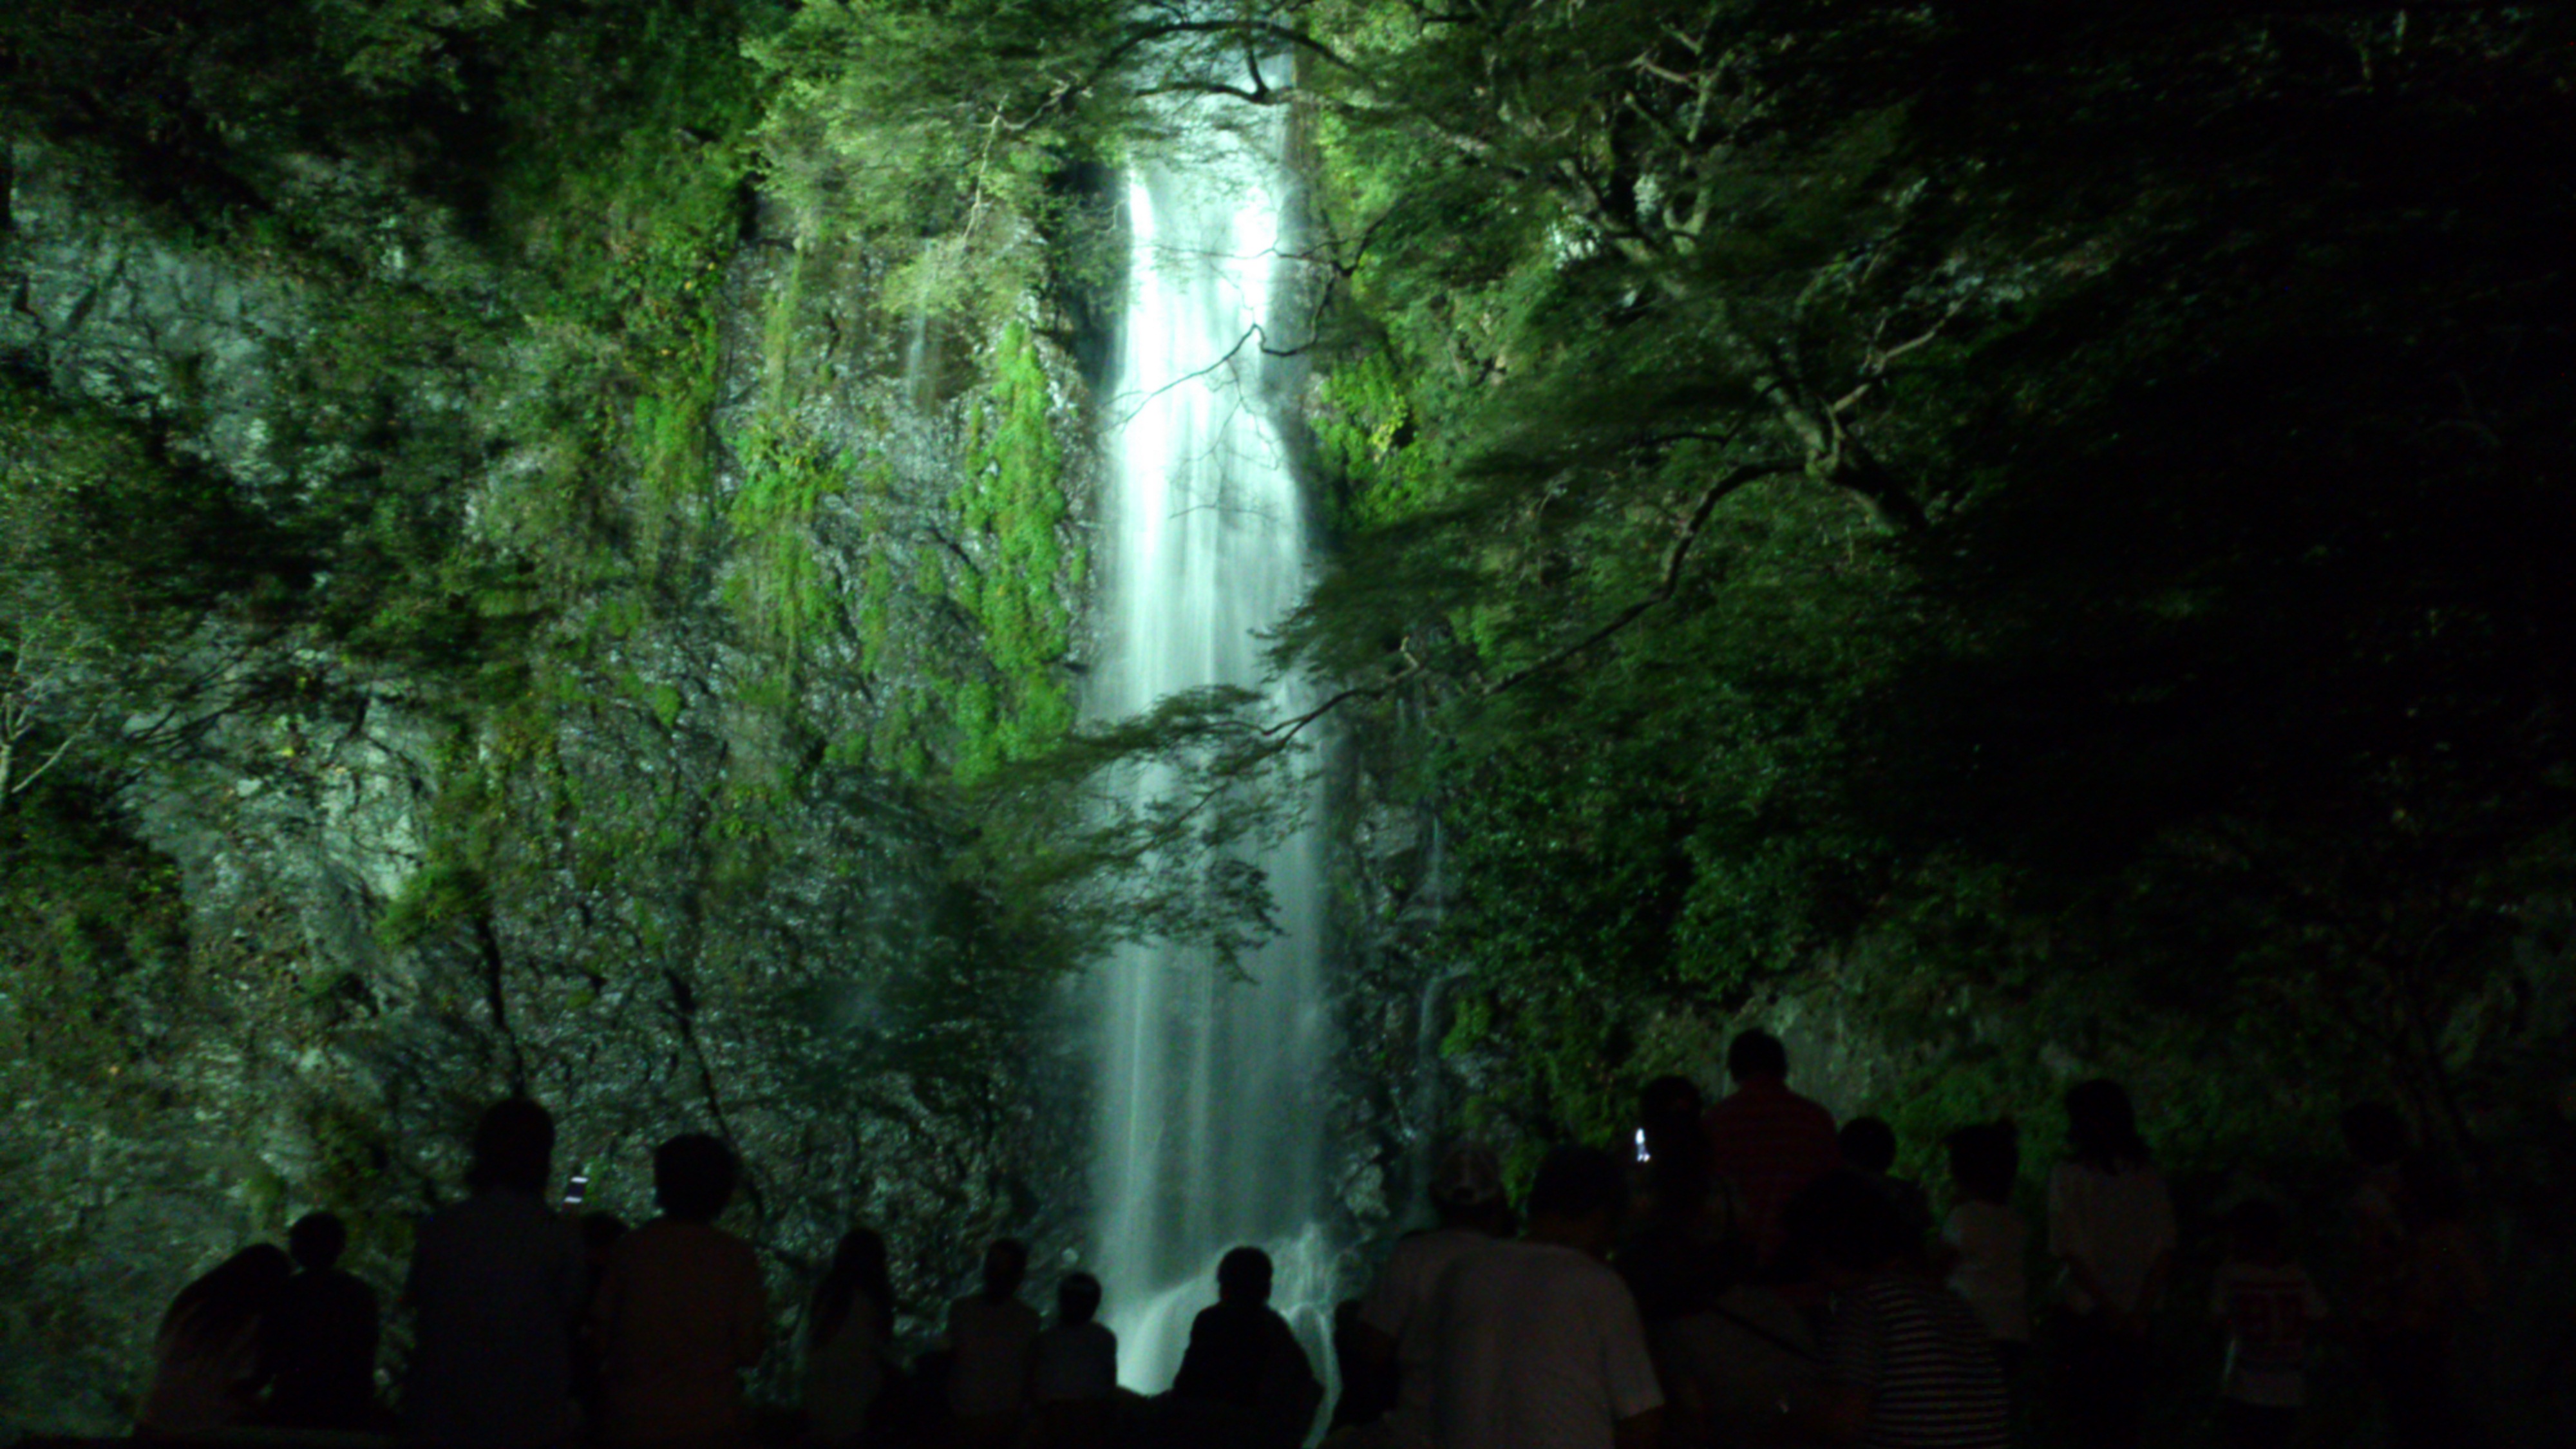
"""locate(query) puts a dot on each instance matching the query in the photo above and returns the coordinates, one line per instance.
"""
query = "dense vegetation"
(2038, 518)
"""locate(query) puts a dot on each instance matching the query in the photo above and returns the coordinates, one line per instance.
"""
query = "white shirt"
(1536, 1347)
(1991, 1240)
(1400, 1307)
(2115, 1223)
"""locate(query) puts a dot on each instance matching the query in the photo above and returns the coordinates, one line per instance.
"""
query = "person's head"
(514, 1147)
(858, 1266)
(1006, 1266)
(2257, 1231)
(599, 1233)
(1578, 1199)
(693, 1177)
(1675, 1147)
(1669, 1102)
(1077, 1298)
(1467, 1185)
(1757, 1056)
(1845, 1228)
(236, 1292)
(1984, 1160)
(2374, 1133)
(1243, 1276)
(2102, 1128)
(1869, 1145)
(317, 1240)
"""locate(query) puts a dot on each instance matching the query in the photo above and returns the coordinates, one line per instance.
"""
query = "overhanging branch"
(1676, 558)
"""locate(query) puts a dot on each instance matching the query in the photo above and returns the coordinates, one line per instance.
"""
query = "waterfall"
(1210, 1129)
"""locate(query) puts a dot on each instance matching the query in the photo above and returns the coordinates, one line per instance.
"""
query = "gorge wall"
(543, 689)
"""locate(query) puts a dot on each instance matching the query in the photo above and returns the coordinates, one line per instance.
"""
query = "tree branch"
(1675, 558)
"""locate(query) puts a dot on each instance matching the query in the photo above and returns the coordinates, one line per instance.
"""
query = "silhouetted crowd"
(1745, 1273)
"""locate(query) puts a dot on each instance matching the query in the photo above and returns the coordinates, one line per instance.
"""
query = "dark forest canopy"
(2032, 509)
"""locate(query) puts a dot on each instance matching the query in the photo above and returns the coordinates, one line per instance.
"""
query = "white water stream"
(1210, 1131)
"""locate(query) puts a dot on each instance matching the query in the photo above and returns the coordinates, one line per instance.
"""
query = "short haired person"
(1869, 1149)
(1907, 1363)
(682, 1311)
(1244, 1377)
(325, 1343)
(495, 1287)
(1766, 1141)
(992, 1342)
(1393, 1325)
(1537, 1343)
(1077, 1369)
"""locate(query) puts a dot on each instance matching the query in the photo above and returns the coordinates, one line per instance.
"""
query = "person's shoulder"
(1575, 1267)
(1440, 1239)
(348, 1287)
(738, 1256)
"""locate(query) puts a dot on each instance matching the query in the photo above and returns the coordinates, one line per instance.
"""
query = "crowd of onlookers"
(1745, 1273)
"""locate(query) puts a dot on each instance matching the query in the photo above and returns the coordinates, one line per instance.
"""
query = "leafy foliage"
(1992, 506)
(1013, 496)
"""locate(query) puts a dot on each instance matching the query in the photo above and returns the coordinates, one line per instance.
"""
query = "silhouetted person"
(681, 1313)
(210, 1355)
(1983, 1241)
(1672, 1145)
(2266, 1305)
(1244, 1379)
(495, 1285)
(2439, 1278)
(1669, 1251)
(849, 1330)
(1077, 1374)
(600, 1232)
(1392, 1330)
(992, 1342)
(2111, 1230)
(325, 1343)
(1538, 1343)
(1869, 1148)
(1905, 1361)
(1766, 1141)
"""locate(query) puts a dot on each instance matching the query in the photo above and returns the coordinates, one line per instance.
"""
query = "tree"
(2182, 638)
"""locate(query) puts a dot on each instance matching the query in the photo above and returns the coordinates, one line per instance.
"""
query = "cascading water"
(1210, 1129)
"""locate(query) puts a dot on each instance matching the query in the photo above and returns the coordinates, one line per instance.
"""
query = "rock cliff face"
(654, 849)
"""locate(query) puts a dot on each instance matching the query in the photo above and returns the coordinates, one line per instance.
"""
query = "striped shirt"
(1768, 1143)
(1920, 1355)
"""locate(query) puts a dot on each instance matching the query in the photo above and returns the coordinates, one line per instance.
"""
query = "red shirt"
(1768, 1143)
